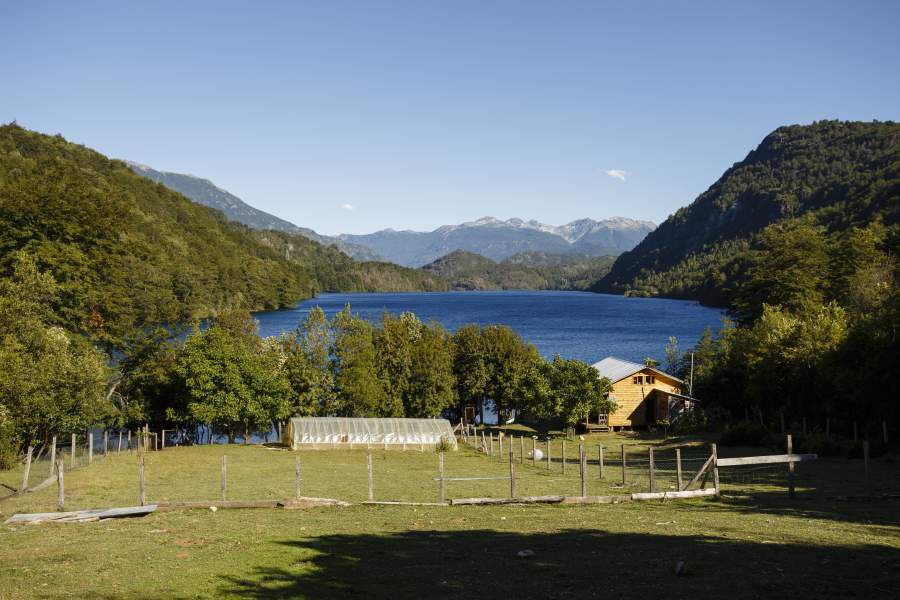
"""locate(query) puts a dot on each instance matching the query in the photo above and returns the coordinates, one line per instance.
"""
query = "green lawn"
(754, 542)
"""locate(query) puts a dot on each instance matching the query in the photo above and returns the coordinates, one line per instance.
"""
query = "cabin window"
(637, 380)
(651, 379)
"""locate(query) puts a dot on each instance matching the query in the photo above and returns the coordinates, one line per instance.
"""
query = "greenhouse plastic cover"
(346, 430)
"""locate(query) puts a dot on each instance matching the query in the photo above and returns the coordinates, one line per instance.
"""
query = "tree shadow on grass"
(566, 564)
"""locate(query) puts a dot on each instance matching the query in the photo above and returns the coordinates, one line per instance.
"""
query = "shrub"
(819, 443)
(691, 421)
(745, 433)
(444, 445)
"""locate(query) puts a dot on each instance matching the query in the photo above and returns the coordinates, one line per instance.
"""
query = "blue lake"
(578, 325)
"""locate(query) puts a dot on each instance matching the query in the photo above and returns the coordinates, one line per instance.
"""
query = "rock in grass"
(525, 553)
(680, 568)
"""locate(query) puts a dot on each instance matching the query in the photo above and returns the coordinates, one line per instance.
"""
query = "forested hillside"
(837, 174)
(333, 271)
(523, 271)
(124, 251)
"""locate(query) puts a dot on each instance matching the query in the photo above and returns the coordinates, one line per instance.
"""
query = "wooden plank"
(600, 457)
(582, 467)
(522, 500)
(595, 499)
(673, 495)
(765, 460)
(401, 503)
(82, 515)
(652, 469)
(304, 502)
(219, 504)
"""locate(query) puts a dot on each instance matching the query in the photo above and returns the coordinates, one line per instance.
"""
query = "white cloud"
(617, 173)
(346, 206)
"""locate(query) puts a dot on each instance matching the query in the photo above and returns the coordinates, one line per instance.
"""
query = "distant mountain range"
(205, 192)
(497, 240)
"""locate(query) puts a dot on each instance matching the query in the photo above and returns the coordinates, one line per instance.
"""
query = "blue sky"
(356, 116)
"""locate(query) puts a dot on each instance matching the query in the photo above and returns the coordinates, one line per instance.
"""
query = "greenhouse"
(338, 432)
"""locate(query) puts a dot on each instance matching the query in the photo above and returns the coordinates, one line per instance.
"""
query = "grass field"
(754, 542)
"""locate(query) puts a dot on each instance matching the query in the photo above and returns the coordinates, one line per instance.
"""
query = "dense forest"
(837, 174)
(800, 241)
(522, 271)
(127, 253)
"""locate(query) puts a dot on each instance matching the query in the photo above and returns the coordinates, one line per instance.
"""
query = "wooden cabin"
(644, 395)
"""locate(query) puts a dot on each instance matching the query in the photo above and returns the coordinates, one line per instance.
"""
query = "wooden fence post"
(623, 465)
(548, 454)
(105, 443)
(163, 439)
(866, 462)
(491, 452)
(500, 445)
(512, 473)
(650, 454)
(61, 484)
(533, 453)
(582, 467)
(52, 455)
(129, 440)
(224, 476)
(72, 457)
(90, 447)
(441, 486)
(564, 454)
(119, 445)
(143, 488)
(600, 456)
(27, 472)
(678, 468)
(297, 477)
(155, 442)
(715, 466)
(371, 476)
(522, 448)
(790, 450)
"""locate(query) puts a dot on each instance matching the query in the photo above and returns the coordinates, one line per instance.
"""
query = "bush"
(443, 446)
(819, 443)
(745, 433)
(690, 422)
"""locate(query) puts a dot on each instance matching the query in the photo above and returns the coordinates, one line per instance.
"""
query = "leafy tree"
(360, 392)
(234, 382)
(470, 367)
(576, 390)
(307, 366)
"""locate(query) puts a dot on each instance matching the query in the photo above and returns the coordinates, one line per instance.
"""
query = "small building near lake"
(644, 395)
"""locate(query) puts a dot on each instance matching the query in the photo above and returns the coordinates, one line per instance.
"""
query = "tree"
(307, 366)
(577, 390)
(470, 367)
(514, 370)
(431, 386)
(234, 381)
(359, 390)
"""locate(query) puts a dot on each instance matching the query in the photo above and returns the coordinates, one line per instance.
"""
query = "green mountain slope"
(126, 251)
(523, 271)
(838, 174)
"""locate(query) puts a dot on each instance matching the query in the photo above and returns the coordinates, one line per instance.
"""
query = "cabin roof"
(617, 369)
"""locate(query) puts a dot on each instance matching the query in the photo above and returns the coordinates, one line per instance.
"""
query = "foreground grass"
(747, 545)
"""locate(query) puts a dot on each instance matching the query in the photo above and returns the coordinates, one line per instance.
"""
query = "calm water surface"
(578, 325)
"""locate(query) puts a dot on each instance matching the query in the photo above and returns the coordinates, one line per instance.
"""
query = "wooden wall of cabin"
(632, 398)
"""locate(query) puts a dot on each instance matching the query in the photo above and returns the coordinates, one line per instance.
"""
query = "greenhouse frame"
(350, 432)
